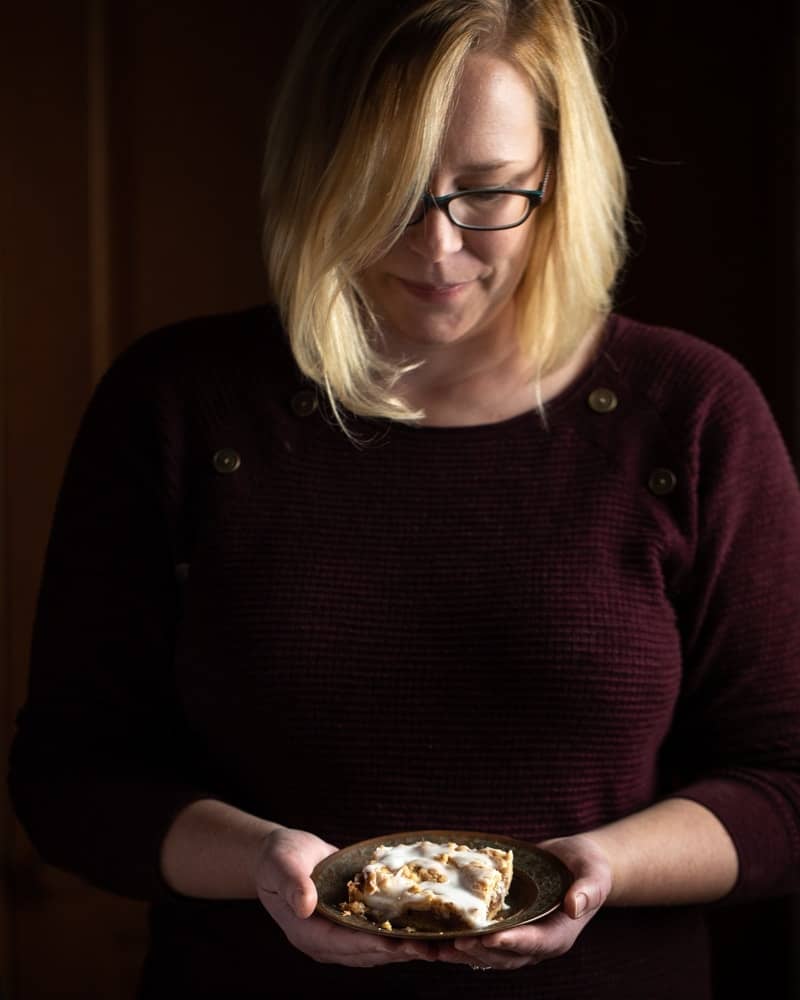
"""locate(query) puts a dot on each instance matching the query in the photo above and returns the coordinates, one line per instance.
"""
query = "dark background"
(130, 147)
(704, 98)
(705, 105)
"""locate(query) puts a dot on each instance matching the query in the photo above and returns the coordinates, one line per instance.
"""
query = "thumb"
(591, 873)
(303, 898)
(583, 897)
(284, 872)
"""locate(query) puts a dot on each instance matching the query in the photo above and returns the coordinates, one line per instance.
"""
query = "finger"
(587, 892)
(303, 898)
(500, 948)
(379, 952)
(583, 898)
(374, 957)
(524, 945)
(294, 889)
(419, 952)
(327, 943)
(546, 937)
(591, 875)
(285, 871)
(479, 956)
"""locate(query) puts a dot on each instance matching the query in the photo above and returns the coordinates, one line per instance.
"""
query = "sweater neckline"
(553, 407)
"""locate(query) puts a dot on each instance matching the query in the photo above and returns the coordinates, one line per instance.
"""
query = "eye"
(490, 208)
(486, 197)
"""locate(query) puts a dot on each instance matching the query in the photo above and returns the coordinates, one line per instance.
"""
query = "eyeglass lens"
(489, 209)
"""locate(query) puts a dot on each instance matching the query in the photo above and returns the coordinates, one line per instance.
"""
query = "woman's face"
(440, 284)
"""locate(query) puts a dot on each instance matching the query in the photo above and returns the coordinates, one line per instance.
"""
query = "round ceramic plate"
(537, 888)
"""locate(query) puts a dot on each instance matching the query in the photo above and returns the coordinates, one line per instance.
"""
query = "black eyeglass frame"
(442, 201)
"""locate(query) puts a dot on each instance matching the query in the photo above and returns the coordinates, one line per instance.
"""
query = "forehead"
(494, 116)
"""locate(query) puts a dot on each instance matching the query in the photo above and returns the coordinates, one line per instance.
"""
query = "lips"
(433, 292)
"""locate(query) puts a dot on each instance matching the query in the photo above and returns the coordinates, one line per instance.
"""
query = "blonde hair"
(354, 138)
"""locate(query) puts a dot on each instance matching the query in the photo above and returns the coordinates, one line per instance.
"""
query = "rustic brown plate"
(537, 888)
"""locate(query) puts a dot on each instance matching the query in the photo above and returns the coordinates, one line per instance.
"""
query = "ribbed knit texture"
(499, 628)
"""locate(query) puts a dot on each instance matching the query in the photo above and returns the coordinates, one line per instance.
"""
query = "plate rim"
(517, 919)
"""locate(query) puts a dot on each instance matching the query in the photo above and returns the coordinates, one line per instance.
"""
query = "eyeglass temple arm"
(545, 179)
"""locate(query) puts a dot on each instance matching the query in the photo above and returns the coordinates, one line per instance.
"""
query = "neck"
(483, 379)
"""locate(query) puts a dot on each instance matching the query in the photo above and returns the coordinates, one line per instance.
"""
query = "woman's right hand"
(286, 891)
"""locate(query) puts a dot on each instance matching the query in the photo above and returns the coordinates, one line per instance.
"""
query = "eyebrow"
(481, 168)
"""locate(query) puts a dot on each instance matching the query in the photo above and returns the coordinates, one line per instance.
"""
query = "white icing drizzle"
(470, 880)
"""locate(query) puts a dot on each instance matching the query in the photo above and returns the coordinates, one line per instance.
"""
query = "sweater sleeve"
(738, 725)
(101, 761)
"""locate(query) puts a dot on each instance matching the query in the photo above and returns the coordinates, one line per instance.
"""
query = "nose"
(435, 237)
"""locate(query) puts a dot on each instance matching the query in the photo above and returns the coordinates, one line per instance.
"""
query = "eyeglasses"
(484, 208)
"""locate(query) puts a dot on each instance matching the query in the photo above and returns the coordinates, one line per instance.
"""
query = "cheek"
(373, 276)
(508, 256)
(369, 282)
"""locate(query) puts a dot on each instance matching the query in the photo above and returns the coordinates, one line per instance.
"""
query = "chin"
(433, 333)
(434, 324)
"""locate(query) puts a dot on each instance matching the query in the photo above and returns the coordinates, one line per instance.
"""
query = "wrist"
(607, 846)
(672, 853)
(212, 851)
(263, 847)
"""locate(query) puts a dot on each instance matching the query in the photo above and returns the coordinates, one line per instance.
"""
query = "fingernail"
(581, 903)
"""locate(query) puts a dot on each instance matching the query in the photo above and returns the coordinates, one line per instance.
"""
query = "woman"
(437, 541)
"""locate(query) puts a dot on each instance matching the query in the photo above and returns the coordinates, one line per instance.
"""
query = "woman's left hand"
(551, 936)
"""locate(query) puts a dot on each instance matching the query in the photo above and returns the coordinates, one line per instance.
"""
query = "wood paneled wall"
(46, 378)
(130, 153)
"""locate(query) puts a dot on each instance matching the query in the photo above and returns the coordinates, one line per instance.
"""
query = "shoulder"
(667, 363)
(189, 387)
(203, 370)
(206, 344)
(699, 401)
(690, 383)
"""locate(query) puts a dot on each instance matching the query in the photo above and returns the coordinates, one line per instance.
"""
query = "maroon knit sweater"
(527, 628)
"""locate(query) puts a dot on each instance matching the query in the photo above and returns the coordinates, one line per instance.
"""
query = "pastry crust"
(432, 887)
